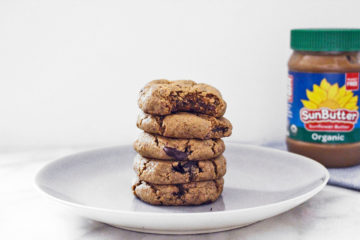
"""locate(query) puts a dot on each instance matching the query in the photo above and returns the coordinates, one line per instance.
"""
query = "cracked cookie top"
(185, 125)
(158, 147)
(163, 97)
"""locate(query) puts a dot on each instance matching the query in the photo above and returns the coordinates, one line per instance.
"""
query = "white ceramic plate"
(260, 183)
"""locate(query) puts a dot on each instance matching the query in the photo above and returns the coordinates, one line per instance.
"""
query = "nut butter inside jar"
(323, 96)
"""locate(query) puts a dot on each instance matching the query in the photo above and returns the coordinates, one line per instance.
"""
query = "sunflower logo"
(330, 96)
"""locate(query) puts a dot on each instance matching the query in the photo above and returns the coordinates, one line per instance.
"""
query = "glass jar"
(323, 92)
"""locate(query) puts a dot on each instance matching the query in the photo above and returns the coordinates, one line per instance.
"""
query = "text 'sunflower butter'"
(323, 95)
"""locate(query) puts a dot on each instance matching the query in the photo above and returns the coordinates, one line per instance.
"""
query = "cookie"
(158, 147)
(185, 125)
(163, 97)
(175, 172)
(194, 193)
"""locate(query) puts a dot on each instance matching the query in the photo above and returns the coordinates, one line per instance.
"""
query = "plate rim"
(305, 195)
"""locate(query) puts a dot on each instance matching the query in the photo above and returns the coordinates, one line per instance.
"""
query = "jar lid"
(326, 39)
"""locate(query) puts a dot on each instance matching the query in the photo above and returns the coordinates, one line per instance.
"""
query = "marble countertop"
(25, 214)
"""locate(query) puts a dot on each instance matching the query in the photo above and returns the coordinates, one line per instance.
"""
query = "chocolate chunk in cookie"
(176, 154)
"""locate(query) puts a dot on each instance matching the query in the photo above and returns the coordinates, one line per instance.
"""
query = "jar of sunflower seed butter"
(323, 92)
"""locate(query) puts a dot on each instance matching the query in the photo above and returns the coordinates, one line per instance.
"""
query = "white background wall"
(70, 70)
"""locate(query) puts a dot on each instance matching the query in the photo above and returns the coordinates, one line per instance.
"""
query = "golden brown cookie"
(175, 172)
(194, 193)
(163, 97)
(158, 147)
(185, 125)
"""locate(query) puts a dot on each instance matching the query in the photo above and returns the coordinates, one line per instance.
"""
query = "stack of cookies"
(179, 160)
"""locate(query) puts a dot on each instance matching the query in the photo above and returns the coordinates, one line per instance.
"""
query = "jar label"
(323, 107)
